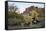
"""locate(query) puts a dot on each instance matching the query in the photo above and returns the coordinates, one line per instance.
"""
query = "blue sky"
(21, 6)
(24, 5)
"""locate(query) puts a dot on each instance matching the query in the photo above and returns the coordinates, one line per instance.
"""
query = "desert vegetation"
(34, 15)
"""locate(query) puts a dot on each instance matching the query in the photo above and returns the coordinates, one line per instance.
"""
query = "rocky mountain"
(29, 9)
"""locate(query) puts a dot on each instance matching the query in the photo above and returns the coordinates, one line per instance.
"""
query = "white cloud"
(21, 10)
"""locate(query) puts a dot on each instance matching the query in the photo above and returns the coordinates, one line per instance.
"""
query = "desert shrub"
(14, 18)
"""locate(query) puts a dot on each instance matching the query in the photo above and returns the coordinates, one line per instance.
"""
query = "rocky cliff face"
(29, 9)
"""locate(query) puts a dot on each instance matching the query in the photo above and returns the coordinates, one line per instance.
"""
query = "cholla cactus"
(28, 19)
(35, 15)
